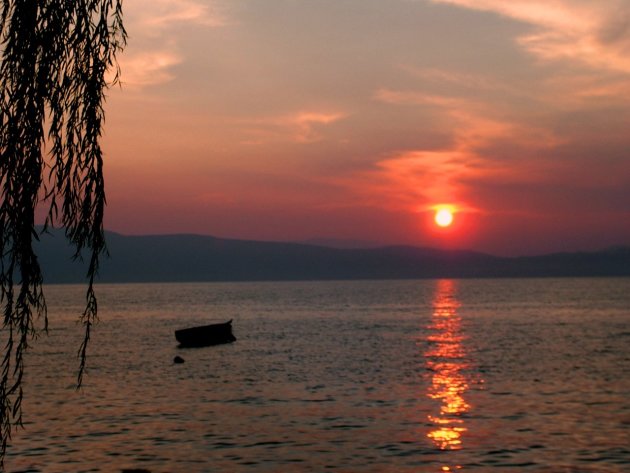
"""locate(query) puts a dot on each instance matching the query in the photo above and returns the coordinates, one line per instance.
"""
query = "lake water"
(382, 376)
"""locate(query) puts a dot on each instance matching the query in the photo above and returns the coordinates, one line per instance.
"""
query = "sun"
(443, 217)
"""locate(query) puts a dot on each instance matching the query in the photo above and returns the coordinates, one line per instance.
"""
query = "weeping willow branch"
(55, 55)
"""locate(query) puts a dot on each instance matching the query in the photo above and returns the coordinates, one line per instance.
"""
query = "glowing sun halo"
(443, 217)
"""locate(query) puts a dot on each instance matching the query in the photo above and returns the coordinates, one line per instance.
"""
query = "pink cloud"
(300, 127)
(417, 180)
(153, 47)
(154, 16)
(591, 32)
(148, 68)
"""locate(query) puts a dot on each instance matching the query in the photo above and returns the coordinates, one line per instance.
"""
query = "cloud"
(300, 127)
(464, 80)
(474, 123)
(591, 32)
(583, 91)
(397, 97)
(308, 124)
(484, 143)
(148, 68)
(155, 16)
(154, 27)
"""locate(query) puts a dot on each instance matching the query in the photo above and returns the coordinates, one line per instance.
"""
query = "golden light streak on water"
(447, 359)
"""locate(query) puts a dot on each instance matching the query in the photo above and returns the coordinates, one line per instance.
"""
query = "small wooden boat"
(205, 335)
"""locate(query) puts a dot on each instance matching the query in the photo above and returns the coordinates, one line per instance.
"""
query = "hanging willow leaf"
(54, 58)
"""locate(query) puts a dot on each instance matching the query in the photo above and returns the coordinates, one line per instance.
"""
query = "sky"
(292, 120)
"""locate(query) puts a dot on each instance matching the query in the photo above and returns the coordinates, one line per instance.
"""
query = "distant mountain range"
(183, 258)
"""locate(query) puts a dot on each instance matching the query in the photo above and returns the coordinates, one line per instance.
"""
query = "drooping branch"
(55, 56)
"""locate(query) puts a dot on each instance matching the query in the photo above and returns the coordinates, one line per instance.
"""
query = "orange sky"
(352, 119)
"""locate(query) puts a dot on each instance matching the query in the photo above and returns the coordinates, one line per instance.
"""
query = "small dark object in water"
(205, 335)
(178, 359)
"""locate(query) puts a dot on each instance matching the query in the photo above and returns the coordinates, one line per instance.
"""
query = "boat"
(205, 335)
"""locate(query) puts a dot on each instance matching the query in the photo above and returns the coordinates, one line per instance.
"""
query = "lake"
(363, 376)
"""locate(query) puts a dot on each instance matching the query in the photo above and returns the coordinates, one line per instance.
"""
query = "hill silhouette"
(188, 258)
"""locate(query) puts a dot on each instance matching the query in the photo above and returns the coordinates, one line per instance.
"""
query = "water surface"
(377, 376)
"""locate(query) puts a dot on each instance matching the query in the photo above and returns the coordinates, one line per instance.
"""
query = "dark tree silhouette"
(55, 55)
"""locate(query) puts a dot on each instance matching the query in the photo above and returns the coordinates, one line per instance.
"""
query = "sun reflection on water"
(447, 361)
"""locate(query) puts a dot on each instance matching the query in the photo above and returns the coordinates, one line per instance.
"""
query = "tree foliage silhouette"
(55, 55)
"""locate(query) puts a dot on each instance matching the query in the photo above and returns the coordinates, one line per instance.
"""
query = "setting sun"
(443, 217)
